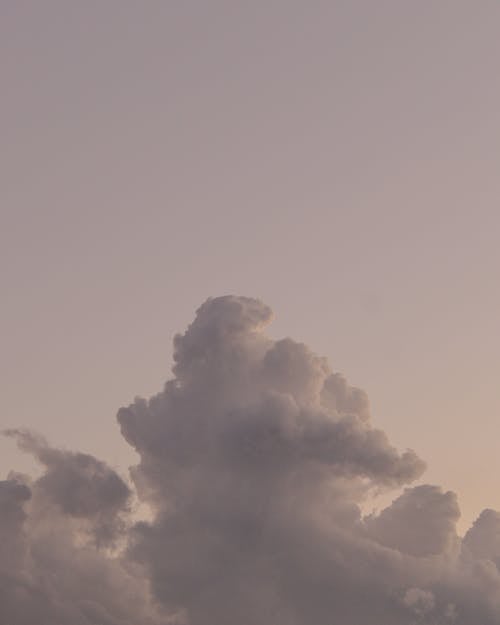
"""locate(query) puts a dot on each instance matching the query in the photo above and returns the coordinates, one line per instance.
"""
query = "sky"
(336, 160)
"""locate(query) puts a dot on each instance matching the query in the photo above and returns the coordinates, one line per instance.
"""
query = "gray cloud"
(420, 522)
(57, 562)
(81, 486)
(255, 460)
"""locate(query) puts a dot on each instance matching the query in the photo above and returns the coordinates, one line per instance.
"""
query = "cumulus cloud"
(420, 522)
(421, 601)
(80, 486)
(255, 461)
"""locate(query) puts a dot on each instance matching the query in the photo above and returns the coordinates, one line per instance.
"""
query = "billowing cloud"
(255, 461)
(420, 522)
(80, 486)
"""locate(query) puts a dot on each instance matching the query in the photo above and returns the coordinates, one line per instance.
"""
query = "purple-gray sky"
(338, 160)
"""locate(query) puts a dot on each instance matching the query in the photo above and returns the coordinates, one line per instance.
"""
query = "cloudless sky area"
(338, 160)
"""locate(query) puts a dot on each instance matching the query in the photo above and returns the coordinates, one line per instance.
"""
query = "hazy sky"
(338, 160)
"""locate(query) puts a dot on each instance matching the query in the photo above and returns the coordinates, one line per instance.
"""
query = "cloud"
(255, 460)
(420, 522)
(483, 538)
(81, 487)
(57, 564)
(421, 601)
